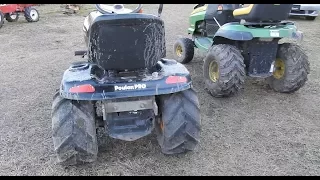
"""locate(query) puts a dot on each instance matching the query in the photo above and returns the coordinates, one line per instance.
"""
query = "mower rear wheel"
(12, 17)
(223, 70)
(1, 19)
(183, 50)
(31, 14)
(74, 131)
(291, 69)
(178, 128)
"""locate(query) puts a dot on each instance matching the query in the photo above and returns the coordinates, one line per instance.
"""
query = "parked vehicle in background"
(309, 11)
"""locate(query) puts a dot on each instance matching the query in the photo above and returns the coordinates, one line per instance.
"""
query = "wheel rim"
(13, 16)
(279, 69)
(34, 14)
(179, 51)
(213, 71)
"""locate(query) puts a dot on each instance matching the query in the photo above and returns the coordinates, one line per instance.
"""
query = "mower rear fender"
(242, 32)
(80, 83)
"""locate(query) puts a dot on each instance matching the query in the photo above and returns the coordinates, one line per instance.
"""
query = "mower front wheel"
(183, 50)
(31, 14)
(178, 128)
(291, 69)
(223, 70)
(1, 19)
(12, 17)
(74, 131)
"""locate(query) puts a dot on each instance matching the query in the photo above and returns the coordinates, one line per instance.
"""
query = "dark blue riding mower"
(126, 86)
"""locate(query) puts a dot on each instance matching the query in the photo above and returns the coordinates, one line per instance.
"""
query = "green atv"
(244, 41)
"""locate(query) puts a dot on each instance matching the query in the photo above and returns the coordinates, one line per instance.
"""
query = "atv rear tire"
(12, 17)
(31, 14)
(1, 19)
(178, 128)
(183, 50)
(296, 69)
(74, 131)
(223, 70)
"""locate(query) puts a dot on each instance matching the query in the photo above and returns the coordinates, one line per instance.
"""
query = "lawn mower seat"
(126, 41)
(263, 12)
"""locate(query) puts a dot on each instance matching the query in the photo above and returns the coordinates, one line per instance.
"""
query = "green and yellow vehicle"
(244, 41)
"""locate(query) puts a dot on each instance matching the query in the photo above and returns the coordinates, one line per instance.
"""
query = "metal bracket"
(217, 22)
(135, 104)
(160, 10)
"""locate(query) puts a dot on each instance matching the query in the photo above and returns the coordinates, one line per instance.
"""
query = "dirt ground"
(256, 132)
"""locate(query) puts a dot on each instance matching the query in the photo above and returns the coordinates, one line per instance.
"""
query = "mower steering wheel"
(116, 9)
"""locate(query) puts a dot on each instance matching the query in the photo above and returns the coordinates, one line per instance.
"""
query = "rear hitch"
(80, 53)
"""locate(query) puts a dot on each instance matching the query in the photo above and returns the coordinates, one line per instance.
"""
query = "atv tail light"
(176, 79)
(220, 8)
(86, 88)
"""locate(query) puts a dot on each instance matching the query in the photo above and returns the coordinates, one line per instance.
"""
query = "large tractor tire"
(223, 70)
(178, 128)
(183, 50)
(31, 14)
(291, 69)
(12, 17)
(1, 19)
(74, 131)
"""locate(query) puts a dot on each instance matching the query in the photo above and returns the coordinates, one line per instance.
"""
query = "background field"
(256, 132)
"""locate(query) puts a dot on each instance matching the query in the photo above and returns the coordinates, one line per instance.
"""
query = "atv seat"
(263, 12)
(126, 41)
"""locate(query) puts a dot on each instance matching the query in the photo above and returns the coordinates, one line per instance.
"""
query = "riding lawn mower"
(126, 86)
(10, 12)
(244, 41)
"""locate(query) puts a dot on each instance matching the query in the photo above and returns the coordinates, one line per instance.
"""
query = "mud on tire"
(187, 50)
(74, 131)
(178, 128)
(231, 73)
(296, 69)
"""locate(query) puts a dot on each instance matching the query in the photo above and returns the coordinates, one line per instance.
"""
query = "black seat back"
(126, 41)
(268, 13)
(223, 17)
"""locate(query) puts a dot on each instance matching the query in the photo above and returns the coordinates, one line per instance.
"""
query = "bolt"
(142, 105)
